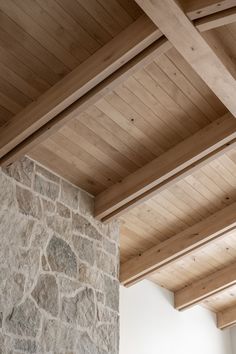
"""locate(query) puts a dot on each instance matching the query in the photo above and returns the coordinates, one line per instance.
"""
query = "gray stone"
(61, 258)
(12, 290)
(47, 174)
(48, 207)
(28, 262)
(84, 249)
(106, 263)
(28, 203)
(7, 193)
(100, 297)
(46, 188)
(91, 276)
(109, 246)
(22, 171)
(15, 228)
(24, 320)
(112, 293)
(106, 315)
(44, 264)
(79, 309)
(86, 203)
(107, 338)
(85, 344)
(68, 286)
(82, 225)
(25, 345)
(1, 317)
(63, 211)
(69, 194)
(40, 236)
(45, 293)
(60, 225)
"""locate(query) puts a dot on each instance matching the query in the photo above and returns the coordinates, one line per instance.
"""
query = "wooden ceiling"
(142, 118)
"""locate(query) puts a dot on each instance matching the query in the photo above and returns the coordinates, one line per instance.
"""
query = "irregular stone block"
(12, 290)
(106, 263)
(91, 276)
(61, 258)
(85, 344)
(24, 320)
(68, 286)
(84, 249)
(44, 264)
(109, 246)
(40, 236)
(28, 262)
(15, 229)
(25, 345)
(63, 211)
(7, 193)
(47, 174)
(48, 207)
(86, 203)
(45, 293)
(69, 194)
(22, 171)
(46, 188)
(80, 309)
(28, 203)
(111, 290)
(79, 223)
(60, 225)
(1, 317)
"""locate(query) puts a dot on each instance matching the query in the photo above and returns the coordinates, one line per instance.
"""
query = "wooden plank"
(90, 73)
(202, 8)
(86, 76)
(206, 287)
(53, 125)
(179, 246)
(179, 30)
(166, 169)
(216, 20)
(226, 318)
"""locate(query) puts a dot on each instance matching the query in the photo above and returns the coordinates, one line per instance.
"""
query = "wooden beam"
(202, 8)
(216, 20)
(80, 81)
(226, 318)
(180, 31)
(85, 85)
(167, 169)
(144, 58)
(179, 246)
(206, 287)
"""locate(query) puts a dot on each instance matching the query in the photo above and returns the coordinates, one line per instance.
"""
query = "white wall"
(150, 325)
(233, 337)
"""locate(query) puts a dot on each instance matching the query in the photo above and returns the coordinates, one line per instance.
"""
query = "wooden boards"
(184, 243)
(226, 318)
(206, 287)
(166, 169)
(175, 25)
(86, 76)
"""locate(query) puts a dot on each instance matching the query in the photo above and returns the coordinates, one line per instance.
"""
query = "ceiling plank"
(86, 76)
(166, 169)
(179, 246)
(226, 318)
(52, 110)
(206, 287)
(180, 31)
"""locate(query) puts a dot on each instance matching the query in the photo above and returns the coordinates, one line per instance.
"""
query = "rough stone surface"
(58, 267)
(45, 293)
(24, 320)
(61, 258)
(46, 188)
(79, 309)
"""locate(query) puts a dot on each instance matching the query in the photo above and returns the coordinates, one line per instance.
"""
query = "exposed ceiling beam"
(180, 31)
(216, 20)
(206, 287)
(202, 8)
(167, 169)
(89, 82)
(226, 318)
(86, 76)
(179, 246)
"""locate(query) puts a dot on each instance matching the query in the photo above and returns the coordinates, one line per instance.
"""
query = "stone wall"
(59, 289)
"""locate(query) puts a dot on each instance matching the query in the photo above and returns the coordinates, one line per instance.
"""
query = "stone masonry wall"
(59, 289)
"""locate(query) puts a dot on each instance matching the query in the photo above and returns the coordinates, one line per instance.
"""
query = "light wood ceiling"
(139, 94)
